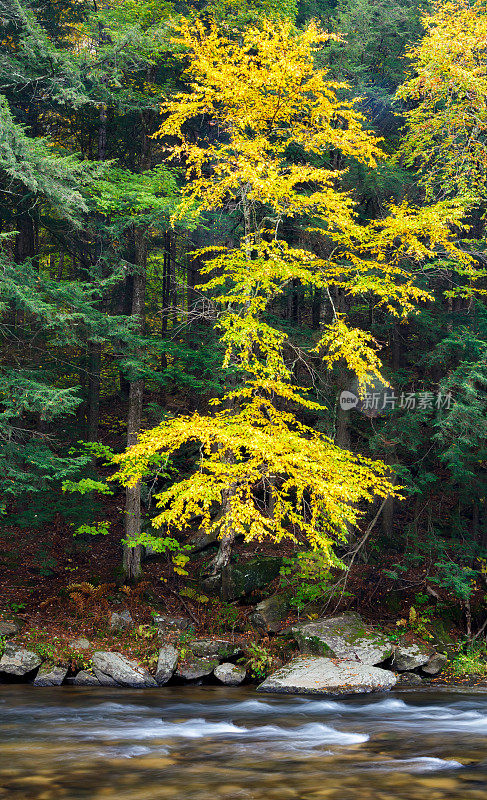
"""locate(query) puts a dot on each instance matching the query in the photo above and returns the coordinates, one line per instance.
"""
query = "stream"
(212, 743)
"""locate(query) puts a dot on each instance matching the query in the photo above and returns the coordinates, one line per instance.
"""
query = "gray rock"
(220, 649)
(105, 680)
(201, 540)
(84, 678)
(269, 615)
(317, 675)
(344, 636)
(50, 676)
(251, 575)
(166, 622)
(166, 664)
(409, 657)
(241, 579)
(123, 671)
(19, 662)
(121, 621)
(409, 679)
(80, 644)
(436, 664)
(196, 668)
(230, 674)
(8, 629)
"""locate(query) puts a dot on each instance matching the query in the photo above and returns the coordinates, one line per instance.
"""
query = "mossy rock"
(344, 636)
(243, 578)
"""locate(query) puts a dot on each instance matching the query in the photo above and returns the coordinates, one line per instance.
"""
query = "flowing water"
(210, 743)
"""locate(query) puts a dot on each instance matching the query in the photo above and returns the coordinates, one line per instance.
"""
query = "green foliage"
(307, 578)
(470, 662)
(45, 562)
(233, 12)
(259, 660)
(222, 616)
(455, 578)
(147, 197)
(55, 650)
(95, 449)
(375, 36)
(93, 530)
(85, 485)
(419, 623)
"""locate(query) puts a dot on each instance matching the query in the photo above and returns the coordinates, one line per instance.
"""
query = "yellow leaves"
(179, 561)
(260, 95)
(266, 473)
(355, 347)
(253, 346)
(315, 486)
(446, 127)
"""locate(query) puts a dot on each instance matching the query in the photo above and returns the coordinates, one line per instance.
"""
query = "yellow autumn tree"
(447, 96)
(273, 121)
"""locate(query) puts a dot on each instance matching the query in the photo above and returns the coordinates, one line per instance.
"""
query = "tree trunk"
(222, 558)
(94, 348)
(316, 312)
(388, 508)
(220, 562)
(132, 554)
(94, 383)
(343, 440)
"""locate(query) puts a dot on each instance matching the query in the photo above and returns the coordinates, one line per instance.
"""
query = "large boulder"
(8, 629)
(409, 657)
(49, 675)
(116, 669)
(196, 668)
(80, 644)
(345, 637)
(166, 664)
(318, 675)
(221, 649)
(230, 674)
(17, 662)
(171, 622)
(238, 580)
(409, 679)
(436, 664)
(84, 678)
(121, 621)
(201, 540)
(269, 615)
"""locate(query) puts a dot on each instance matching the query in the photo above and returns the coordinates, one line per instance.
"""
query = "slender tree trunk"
(94, 384)
(94, 348)
(222, 558)
(316, 312)
(132, 555)
(343, 440)
(388, 509)
(388, 517)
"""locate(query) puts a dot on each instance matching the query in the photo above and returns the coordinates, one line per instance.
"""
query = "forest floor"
(41, 566)
(52, 613)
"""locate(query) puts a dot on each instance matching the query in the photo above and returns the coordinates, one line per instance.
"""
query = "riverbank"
(83, 608)
(339, 654)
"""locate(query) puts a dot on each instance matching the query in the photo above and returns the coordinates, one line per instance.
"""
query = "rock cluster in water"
(208, 659)
(338, 655)
(342, 655)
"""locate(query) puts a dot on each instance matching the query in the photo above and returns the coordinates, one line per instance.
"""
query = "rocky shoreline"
(337, 655)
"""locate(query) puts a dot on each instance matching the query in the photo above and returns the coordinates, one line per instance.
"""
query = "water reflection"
(210, 743)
